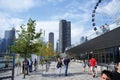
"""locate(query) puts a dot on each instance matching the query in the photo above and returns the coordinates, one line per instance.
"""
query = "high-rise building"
(51, 39)
(0, 45)
(9, 36)
(3, 46)
(64, 35)
(57, 46)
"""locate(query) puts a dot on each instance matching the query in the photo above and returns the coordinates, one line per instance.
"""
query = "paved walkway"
(74, 73)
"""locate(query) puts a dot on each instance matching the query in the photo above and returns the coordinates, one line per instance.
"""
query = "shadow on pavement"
(36, 72)
(69, 74)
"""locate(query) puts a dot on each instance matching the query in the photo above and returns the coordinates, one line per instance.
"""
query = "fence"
(7, 62)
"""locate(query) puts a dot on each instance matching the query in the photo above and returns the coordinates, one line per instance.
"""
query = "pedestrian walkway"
(75, 72)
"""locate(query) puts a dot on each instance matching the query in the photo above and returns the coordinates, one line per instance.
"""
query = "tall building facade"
(9, 37)
(51, 39)
(3, 46)
(57, 46)
(0, 44)
(64, 35)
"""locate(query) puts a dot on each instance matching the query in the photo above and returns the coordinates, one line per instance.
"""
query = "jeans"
(66, 69)
(30, 68)
(59, 71)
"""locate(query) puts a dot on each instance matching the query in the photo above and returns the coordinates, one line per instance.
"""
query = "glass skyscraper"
(7, 41)
(3, 46)
(9, 36)
(51, 39)
(64, 35)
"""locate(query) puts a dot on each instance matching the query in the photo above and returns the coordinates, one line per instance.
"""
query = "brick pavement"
(74, 73)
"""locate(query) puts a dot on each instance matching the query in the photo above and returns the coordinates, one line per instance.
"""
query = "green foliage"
(41, 51)
(57, 55)
(28, 40)
(7, 58)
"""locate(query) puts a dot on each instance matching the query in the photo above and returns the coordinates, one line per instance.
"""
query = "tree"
(49, 50)
(45, 50)
(28, 40)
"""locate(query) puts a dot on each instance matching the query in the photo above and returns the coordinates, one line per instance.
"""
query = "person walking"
(116, 73)
(25, 67)
(30, 65)
(92, 63)
(84, 65)
(59, 66)
(18, 67)
(88, 66)
(35, 64)
(66, 62)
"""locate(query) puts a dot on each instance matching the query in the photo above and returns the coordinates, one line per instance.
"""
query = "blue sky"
(47, 14)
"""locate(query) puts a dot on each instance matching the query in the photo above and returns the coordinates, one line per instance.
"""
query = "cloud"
(17, 5)
(53, 26)
(111, 8)
(81, 18)
(54, 1)
(48, 26)
(76, 12)
(7, 22)
(76, 32)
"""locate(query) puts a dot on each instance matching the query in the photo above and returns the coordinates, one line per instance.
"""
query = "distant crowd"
(88, 65)
(26, 66)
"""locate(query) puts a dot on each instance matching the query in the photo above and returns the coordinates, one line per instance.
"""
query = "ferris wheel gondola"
(109, 15)
(93, 14)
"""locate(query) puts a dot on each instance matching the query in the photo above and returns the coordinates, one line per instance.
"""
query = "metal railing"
(7, 62)
(95, 34)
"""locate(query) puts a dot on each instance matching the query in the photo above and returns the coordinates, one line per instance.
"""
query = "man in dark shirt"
(116, 74)
(66, 62)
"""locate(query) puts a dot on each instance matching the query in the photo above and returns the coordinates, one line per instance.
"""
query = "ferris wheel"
(105, 18)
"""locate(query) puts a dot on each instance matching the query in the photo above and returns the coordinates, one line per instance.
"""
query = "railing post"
(13, 66)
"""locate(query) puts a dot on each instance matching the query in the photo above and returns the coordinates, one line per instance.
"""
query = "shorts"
(92, 68)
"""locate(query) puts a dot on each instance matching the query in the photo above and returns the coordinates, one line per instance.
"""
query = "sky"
(48, 13)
